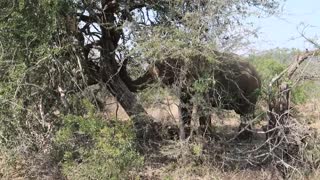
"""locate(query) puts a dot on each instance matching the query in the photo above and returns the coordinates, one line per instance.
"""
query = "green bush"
(304, 91)
(93, 148)
(269, 68)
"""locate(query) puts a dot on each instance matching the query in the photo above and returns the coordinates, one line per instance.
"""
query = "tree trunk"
(109, 73)
(129, 102)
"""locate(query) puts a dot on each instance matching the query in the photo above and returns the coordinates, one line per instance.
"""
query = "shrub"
(304, 92)
(96, 149)
(267, 68)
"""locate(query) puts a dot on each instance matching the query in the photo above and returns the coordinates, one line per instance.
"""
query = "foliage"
(181, 23)
(272, 63)
(43, 73)
(281, 55)
(37, 59)
(304, 92)
(267, 67)
(187, 30)
(96, 148)
(154, 95)
(33, 68)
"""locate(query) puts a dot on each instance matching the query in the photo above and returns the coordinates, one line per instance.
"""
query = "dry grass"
(310, 113)
(14, 171)
(19, 167)
(216, 157)
(184, 163)
(166, 163)
(223, 158)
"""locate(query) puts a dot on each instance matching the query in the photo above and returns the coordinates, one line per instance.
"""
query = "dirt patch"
(167, 111)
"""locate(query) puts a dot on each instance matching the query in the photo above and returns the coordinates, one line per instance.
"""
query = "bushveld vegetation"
(68, 111)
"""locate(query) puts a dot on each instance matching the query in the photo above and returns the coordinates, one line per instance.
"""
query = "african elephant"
(234, 85)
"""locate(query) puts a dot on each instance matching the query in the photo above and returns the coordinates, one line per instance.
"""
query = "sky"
(283, 30)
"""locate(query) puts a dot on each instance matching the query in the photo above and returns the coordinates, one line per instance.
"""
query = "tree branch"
(294, 66)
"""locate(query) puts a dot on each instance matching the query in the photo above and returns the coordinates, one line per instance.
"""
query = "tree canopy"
(46, 56)
(52, 51)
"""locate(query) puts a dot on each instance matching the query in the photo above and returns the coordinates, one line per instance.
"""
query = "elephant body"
(233, 85)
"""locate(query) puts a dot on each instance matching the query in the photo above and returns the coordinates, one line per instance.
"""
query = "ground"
(165, 163)
(218, 157)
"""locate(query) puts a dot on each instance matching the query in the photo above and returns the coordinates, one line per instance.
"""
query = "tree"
(45, 49)
(52, 51)
(184, 28)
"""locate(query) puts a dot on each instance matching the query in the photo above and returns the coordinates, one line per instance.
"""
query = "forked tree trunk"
(109, 71)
